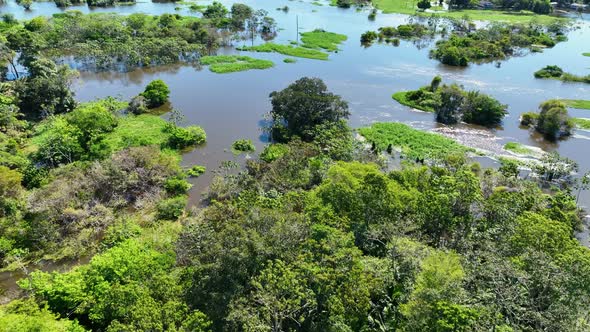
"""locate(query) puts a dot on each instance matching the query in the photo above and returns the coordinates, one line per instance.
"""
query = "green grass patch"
(409, 7)
(555, 72)
(586, 54)
(137, 130)
(289, 60)
(577, 103)
(413, 143)
(322, 39)
(316, 3)
(582, 123)
(518, 148)
(402, 98)
(300, 52)
(223, 64)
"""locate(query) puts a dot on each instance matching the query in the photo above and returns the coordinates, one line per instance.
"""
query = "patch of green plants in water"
(413, 143)
(586, 54)
(196, 171)
(496, 42)
(390, 34)
(322, 39)
(402, 98)
(518, 148)
(243, 145)
(452, 104)
(501, 15)
(582, 123)
(296, 51)
(316, 3)
(289, 60)
(223, 64)
(577, 103)
(555, 72)
(104, 41)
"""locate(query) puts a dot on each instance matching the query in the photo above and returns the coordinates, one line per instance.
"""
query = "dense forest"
(328, 228)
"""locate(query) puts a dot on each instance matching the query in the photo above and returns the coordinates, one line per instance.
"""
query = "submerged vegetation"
(519, 149)
(452, 104)
(104, 41)
(311, 43)
(321, 39)
(232, 63)
(413, 143)
(296, 51)
(555, 72)
(391, 34)
(243, 145)
(519, 12)
(582, 123)
(577, 103)
(495, 42)
(553, 120)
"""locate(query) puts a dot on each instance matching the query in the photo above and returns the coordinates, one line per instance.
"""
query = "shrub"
(368, 37)
(424, 4)
(549, 72)
(137, 105)
(243, 145)
(156, 93)
(529, 119)
(171, 208)
(344, 3)
(184, 137)
(176, 186)
(196, 171)
(554, 120)
(273, 152)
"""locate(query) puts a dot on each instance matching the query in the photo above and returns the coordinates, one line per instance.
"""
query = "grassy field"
(322, 39)
(400, 97)
(582, 123)
(413, 143)
(577, 103)
(137, 130)
(300, 52)
(409, 7)
(223, 64)
(518, 148)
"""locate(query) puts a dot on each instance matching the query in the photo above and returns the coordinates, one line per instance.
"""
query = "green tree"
(280, 300)
(433, 303)
(93, 121)
(156, 93)
(448, 111)
(554, 121)
(216, 10)
(60, 144)
(481, 109)
(27, 316)
(240, 13)
(424, 4)
(47, 90)
(302, 106)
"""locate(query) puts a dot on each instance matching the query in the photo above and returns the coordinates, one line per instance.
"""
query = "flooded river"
(232, 106)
